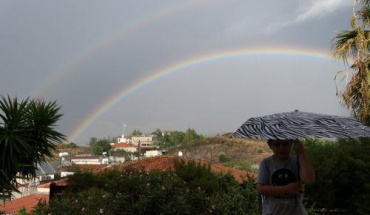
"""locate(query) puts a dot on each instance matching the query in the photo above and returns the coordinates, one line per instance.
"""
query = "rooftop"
(29, 202)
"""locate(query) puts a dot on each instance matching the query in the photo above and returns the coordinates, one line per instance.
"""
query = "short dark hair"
(270, 141)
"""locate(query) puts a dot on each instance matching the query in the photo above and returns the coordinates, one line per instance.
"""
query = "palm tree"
(27, 137)
(353, 45)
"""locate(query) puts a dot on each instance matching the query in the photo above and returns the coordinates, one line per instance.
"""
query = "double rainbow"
(182, 66)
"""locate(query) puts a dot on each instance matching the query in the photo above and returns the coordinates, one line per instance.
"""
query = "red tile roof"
(85, 167)
(59, 182)
(29, 202)
(122, 145)
(167, 163)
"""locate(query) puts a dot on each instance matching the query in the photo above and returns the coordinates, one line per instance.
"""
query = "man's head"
(281, 148)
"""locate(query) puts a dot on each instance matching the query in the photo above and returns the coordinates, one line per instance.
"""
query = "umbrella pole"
(298, 166)
(298, 169)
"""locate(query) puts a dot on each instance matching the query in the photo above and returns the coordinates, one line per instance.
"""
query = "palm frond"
(364, 13)
(364, 2)
(344, 45)
(27, 136)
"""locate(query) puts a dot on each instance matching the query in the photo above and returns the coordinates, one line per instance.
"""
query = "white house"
(143, 140)
(123, 139)
(124, 146)
(152, 153)
(86, 159)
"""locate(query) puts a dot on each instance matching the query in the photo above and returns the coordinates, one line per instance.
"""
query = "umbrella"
(297, 124)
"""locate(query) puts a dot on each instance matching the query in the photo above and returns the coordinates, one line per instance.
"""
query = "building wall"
(85, 161)
(153, 153)
(142, 139)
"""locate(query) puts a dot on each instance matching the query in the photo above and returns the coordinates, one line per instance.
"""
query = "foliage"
(223, 158)
(244, 165)
(22, 211)
(27, 137)
(168, 140)
(354, 45)
(67, 145)
(120, 153)
(136, 132)
(191, 135)
(158, 133)
(175, 138)
(197, 175)
(342, 179)
(72, 145)
(98, 146)
(189, 189)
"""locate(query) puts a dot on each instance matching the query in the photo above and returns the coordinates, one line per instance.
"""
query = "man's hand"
(298, 147)
(293, 188)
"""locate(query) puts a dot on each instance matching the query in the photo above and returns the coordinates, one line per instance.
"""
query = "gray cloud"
(83, 53)
(308, 11)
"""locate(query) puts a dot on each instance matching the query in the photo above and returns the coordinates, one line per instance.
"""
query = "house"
(44, 172)
(152, 153)
(123, 139)
(124, 146)
(86, 159)
(144, 142)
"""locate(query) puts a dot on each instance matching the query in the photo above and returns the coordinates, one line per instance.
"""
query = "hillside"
(209, 150)
(237, 150)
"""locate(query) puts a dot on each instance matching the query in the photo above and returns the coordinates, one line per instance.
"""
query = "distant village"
(68, 164)
(135, 146)
(139, 151)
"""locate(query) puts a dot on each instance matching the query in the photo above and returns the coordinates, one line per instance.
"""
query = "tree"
(191, 134)
(343, 181)
(157, 133)
(354, 44)
(72, 145)
(27, 137)
(176, 137)
(98, 146)
(136, 133)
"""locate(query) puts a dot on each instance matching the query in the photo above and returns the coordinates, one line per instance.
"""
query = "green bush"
(342, 176)
(189, 189)
(223, 158)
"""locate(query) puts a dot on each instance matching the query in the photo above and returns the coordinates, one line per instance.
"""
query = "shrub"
(189, 189)
(223, 158)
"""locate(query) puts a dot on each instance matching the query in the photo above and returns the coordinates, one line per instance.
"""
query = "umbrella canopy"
(296, 124)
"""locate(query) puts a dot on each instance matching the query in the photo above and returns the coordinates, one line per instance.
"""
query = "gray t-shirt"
(271, 173)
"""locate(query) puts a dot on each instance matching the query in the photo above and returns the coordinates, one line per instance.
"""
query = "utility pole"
(138, 150)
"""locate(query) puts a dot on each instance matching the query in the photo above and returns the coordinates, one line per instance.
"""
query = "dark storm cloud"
(88, 51)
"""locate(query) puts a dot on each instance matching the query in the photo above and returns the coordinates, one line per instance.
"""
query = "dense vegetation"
(190, 189)
(342, 184)
(342, 175)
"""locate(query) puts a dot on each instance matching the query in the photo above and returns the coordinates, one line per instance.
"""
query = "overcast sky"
(168, 64)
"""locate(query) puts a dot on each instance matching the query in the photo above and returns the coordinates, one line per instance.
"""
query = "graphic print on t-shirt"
(283, 177)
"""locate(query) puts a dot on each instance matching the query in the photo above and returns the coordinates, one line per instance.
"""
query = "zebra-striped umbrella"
(296, 124)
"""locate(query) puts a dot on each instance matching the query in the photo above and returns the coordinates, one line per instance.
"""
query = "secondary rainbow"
(181, 66)
(65, 70)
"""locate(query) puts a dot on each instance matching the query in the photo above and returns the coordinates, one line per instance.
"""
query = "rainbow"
(181, 66)
(70, 66)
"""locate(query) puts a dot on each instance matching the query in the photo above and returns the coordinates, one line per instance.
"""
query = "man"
(280, 177)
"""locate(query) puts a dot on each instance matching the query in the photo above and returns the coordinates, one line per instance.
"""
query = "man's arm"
(307, 172)
(270, 190)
